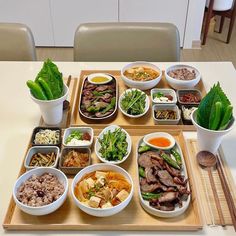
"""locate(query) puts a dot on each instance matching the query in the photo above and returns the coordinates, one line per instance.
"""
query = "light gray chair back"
(16, 43)
(127, 42)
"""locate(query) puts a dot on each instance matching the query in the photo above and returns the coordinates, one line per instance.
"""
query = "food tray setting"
(131, 215)
(185, 100)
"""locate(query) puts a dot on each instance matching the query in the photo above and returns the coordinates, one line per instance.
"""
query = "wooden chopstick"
(227, 193)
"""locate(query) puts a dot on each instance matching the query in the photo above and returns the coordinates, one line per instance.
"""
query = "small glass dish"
(189, 94)
(165, 92)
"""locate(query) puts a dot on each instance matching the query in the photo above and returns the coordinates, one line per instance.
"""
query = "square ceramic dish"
(73, 170)
(38, 129)
(165, 92)
(68, 131)
(161, 107)
(43, 150)
(187, 121)
(184, 92)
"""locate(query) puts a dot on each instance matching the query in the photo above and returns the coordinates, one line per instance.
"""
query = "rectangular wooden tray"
(133, 217)
(119, 118)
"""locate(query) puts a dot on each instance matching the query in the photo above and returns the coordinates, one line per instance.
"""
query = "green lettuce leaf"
(53, 77)
(206, 113)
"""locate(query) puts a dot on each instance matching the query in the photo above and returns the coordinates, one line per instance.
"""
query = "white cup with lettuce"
(213, 119)
(49, 92)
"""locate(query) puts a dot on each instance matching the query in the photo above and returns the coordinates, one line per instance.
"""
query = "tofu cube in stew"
(122, 195)
(90, 182)
(94, 201)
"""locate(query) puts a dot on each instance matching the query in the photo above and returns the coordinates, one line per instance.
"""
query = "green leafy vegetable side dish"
(158, 95)
(113, 145)
(134, 102)
(48, 84)
(76, 134)
(215, 110)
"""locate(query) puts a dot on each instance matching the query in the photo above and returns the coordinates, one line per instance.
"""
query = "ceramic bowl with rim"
(165, 214)
(69, 130)
(112, 128)
(148, 137)
(92, 78)
(142, 85)
(147, 104)
(165, 92)
(44, 150)
(161, 107)
(99, 212)
(182, 84)
(47, 209)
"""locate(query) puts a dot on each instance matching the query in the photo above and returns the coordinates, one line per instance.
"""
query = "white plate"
(98, 145)
(164, 214)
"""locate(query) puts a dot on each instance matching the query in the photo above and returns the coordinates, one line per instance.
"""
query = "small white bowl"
(165, 92)
(47, 209)
(182, 84)
(83, 130)
(91, 76)
(142, 85)
(98, 211)
(157, 135)
(41, 149)
(147, 104)
(112, 128)
(165, 107)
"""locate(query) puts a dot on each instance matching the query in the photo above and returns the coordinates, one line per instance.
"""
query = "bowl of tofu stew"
(102, 189)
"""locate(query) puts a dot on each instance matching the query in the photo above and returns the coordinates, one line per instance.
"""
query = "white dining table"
(19, 115)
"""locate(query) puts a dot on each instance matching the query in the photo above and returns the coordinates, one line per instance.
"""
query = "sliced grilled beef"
(144, 160)
(101, 88)
(168, 197)
(151, 178)
(167, 206)
(100, 114)
(106, 97)
(156, 163)
(174, 172)
(166, 178)
(179, 181)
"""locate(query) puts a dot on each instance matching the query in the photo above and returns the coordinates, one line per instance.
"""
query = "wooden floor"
(215, 50)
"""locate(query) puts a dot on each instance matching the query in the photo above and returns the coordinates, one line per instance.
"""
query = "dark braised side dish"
(161, 181)
(98, 100)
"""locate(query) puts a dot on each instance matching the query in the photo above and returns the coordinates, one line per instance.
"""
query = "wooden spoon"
(208, 160)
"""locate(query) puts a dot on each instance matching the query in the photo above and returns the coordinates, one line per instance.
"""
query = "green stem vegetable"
(36, 90)
(176, 156)
(226, 118)
(141, 172)
(45, 88)
(149, 196)
(213, 125)
(169, 160)
(144, 148)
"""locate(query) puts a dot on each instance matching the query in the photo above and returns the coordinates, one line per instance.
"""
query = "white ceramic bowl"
(98, 145)
(165, 214)
(173, 107)
(147, 104)
(182, 84)
(41, 149)
(68, 131)
(157, 135)
(165, 92)
(47, 209)
(98, 211)
(91, 76)
(142, 85)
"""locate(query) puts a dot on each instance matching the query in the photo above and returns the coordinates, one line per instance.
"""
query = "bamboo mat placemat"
(72, 84)
(205, 194)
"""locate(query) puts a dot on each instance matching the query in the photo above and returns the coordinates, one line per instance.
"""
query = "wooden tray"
(205, 193)
(133, 217)
(119, 118)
